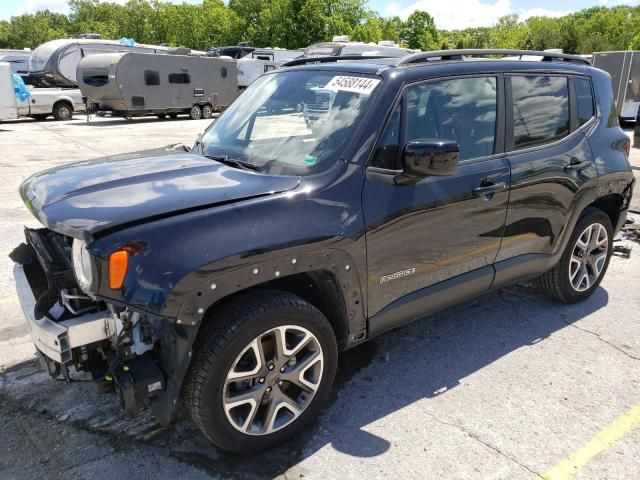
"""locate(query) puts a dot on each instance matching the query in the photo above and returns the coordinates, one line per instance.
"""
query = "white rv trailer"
(43, 102)
(262, 60)
(340, 45)
(133, 84)
(54, 63)
(624, 68)
(18, 59)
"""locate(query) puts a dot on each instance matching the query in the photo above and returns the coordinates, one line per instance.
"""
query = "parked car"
(37, 103)
(136, 84)
(229, 275)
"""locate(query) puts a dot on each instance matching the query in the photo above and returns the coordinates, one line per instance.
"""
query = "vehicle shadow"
(423, 360)
(419, 361)
(108, 121)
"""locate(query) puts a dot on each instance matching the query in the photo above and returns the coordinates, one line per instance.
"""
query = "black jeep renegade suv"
(333, 200)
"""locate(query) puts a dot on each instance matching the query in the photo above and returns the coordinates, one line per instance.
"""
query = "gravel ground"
(505, 386)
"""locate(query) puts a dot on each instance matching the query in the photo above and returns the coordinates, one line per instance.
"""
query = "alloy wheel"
(589, 257)
(273, 380)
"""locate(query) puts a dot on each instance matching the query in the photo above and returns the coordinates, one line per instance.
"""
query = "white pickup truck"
(41, 103)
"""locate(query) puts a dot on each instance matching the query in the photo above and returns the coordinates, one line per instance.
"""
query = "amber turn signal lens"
(118, 263)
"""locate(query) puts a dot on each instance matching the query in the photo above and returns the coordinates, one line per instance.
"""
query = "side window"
(387, 151)
(540, 110)
(462, 110)
(584, 99)
(179, 78)
(151, 77)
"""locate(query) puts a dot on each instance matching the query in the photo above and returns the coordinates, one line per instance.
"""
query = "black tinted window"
(151, 77)
(96, 77)
(387, 151)
(179, 78)
(540, 110)
(462, 110)
(585, 100)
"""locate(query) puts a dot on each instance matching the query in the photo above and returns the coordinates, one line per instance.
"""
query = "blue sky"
(448, 14)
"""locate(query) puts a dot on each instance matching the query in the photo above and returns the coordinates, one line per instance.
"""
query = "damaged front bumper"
(72, 329)
(56, 340)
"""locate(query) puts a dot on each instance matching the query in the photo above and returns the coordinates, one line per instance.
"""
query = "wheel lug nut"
(280, 383)
(282, 369)
(271, 366)
(261, 380)
(268, 389)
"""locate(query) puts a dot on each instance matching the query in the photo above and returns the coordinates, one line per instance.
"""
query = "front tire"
(584, 261)
(262, 370)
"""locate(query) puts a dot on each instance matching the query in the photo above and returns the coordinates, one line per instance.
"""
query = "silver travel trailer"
(54, 63)
(342, 46)
(624, 68)
(133, 84)
(262, 60)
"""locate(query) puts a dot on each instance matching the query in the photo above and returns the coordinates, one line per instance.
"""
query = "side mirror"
(423, 158)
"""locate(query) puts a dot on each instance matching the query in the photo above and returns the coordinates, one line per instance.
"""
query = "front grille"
(49, 269)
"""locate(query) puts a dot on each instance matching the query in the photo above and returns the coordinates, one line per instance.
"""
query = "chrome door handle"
(491, 188)
(576, 166)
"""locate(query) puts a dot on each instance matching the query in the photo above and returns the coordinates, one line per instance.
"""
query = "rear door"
(440, 227)
(551, 164)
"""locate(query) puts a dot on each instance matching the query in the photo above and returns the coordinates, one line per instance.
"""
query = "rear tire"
(238, 356)
(584, 262)
(63, 111)
(195, 113)
(207, 112)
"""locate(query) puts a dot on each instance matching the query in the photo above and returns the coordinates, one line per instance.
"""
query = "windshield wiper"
(241, 164)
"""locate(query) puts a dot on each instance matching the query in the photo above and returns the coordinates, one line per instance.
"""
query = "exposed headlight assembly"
(82, 267)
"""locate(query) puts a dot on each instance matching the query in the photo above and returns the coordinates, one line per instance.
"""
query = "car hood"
(85, 198)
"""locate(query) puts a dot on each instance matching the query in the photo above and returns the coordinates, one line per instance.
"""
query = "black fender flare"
(214, 284)
(217, 285)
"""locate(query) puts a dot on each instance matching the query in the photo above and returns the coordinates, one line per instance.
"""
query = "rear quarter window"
(584, 97)
(540, 110)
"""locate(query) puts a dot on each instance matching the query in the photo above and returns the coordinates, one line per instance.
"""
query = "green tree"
(544, 32)
(419, 31)
(509, 32)
(29, 31)
(4, 33)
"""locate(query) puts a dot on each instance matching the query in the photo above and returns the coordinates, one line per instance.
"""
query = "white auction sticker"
(353, 84)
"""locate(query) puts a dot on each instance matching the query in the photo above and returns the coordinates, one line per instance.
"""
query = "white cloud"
(467, 13)
(58, 6)
(541, 12)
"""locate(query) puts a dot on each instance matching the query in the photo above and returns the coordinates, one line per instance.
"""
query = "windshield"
(290, 123)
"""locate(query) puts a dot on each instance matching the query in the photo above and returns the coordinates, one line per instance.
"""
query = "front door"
(440, 227)
(551, 164)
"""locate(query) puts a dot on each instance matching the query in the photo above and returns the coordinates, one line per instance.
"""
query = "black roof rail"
(332, 58)
(460, 54)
